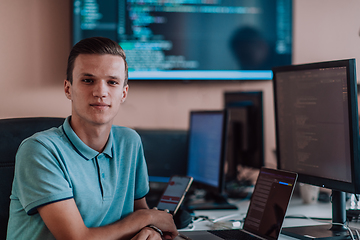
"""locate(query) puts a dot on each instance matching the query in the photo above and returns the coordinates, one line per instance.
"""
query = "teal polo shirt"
(55, 165)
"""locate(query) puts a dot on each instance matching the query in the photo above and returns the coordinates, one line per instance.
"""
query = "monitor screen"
(317, 127)
(165, 152)
(205, 161)
(244, 131)
(192, 39)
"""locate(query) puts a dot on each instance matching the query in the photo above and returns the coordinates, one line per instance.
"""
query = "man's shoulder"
(40, 143)
(124, 131)
(124, 135)
(54, 135)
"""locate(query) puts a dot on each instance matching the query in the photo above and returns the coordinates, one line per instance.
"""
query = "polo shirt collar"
(80, 147)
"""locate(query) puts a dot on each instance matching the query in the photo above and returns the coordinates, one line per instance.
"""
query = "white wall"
(326, 30)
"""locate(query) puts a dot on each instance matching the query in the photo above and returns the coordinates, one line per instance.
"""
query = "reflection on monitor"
(184, 39)
(317, 132)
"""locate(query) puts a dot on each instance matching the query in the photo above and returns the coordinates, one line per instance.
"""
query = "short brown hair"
(95, 45)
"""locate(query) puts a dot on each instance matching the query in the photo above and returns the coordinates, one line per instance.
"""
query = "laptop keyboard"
(232, 234)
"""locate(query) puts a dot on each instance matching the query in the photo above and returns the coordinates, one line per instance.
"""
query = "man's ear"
(67, 89)
(124, 93)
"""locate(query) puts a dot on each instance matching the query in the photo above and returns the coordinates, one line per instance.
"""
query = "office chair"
(12, 132)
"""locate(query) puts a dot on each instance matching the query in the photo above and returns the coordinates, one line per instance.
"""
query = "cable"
(202, 218)
(206, 218)
(306, 217)
(226, 216)
(357, 234)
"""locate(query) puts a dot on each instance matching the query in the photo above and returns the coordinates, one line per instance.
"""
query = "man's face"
(97, 89)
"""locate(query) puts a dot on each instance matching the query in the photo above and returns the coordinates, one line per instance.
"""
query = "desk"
(296, 208)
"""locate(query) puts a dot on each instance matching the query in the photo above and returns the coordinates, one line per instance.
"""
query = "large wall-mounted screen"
(192, 39)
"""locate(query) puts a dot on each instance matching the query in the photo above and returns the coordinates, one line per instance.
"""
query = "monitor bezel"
(350, 64)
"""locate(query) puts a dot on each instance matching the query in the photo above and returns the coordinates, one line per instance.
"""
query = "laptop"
(266, 212)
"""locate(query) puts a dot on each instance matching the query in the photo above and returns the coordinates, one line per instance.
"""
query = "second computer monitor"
(205, 152)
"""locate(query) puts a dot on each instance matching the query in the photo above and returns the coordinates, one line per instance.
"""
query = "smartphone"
(174, 193)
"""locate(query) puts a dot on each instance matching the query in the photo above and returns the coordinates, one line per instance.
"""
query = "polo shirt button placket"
(101, 175)
(100, 158)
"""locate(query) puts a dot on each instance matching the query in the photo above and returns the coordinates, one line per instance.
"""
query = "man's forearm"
(65, 222)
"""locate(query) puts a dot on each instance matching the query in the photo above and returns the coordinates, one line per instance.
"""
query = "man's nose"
(100, 89)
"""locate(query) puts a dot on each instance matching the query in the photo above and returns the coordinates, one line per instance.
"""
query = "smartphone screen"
(174, 193)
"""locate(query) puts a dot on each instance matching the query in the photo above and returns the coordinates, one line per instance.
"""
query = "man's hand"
(162, 220)
(147, 234)
(65, 222)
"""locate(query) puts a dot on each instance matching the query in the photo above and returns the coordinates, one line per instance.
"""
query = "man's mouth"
(100, 106)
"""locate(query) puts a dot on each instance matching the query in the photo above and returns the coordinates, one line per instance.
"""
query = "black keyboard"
(232, 234)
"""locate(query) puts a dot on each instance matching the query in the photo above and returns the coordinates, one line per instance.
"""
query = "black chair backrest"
(12, 132)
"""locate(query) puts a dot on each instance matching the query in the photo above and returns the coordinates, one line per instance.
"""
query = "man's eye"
(87, 80)
(113, 82)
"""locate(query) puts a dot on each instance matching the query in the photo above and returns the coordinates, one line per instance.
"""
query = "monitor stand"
(333, 231)
(211, 201)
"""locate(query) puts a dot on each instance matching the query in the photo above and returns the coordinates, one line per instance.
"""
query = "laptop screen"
(269, 202)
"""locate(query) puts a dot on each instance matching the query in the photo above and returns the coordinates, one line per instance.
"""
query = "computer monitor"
(317, 133)
(184, 39)
(205, 157)
(244, 132)
(165, 152)
(205, 151)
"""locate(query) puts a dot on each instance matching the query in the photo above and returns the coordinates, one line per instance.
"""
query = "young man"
(86, 179)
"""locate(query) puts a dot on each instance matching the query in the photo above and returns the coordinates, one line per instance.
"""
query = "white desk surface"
(296, 208)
